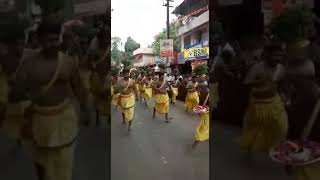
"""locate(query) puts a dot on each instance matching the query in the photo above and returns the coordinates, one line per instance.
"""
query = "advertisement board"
(166, 48)
(196, 53)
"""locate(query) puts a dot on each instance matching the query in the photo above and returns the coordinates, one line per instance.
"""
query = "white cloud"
(140, 19)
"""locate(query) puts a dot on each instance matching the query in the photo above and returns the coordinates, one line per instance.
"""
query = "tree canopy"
(116, 53)
(125, 57)
(130, 46)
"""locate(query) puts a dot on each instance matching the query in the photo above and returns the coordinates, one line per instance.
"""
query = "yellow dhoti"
(174, 94)
(309, 172)
(14, 119)
(147, 93)
(137, 91)
(54, 130)
(162, 103)
(265, 124)
(115, 98)
(127, 103)
(202, 131)
(101, 94)
(192, 100)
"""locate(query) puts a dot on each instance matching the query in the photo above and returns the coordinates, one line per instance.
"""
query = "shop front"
(197, 56)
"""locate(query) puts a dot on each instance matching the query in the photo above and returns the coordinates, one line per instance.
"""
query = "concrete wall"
(196, 22)
(145, 60)
(194, 35)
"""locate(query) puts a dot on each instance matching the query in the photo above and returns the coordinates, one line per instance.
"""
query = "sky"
(140, 19)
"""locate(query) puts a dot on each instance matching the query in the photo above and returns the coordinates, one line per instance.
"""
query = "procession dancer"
(136, 87)
(175, 91)
(202, 130)
(142, 87)
(147, 95)
(265, 121)
(12, 103)
(192, 98)
(126, 99)
(49, 78)
(100, 88)
(161, 97)
(115, 94)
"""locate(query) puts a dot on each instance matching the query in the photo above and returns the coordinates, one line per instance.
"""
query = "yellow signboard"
(195, 52)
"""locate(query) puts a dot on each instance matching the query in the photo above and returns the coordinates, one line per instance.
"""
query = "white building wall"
(196, 22)
(145, 60)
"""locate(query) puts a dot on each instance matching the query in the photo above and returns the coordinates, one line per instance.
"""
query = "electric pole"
(168, 21)
(168, 17)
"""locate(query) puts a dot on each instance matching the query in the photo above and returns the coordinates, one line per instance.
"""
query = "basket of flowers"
(299, 152)
(201, 109)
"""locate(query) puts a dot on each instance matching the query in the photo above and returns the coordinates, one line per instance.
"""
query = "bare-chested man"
(99, 85)
(127, 98)
(147, 95)
(265, 122)
(161, 97)
(192, 98)
(50, 78)
(11, 107)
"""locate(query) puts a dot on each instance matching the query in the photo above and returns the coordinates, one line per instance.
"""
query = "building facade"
(194, 33)
(143, 57)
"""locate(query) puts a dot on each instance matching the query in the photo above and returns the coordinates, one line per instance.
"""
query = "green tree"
(174, 27)
(116, 54)
(130, 46)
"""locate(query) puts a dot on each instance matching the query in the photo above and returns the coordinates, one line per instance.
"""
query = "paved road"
(90, 157)
(156, 150)
(230, 163)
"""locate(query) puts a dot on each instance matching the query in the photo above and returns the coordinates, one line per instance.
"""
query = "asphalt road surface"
(155, 150)
(230, 163)
(91, 157)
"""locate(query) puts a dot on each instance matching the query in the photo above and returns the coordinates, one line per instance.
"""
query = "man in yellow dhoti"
(202, 130)
(12, 57)
(114, 93)
(147, 89)
(100, 87)
(175, 90)
(126, 98)
(136, 87)
(52, 122)
(265, 122)
(161, 97)
(142, 86)
(192, 98)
